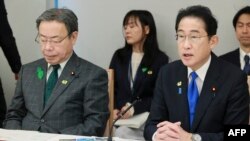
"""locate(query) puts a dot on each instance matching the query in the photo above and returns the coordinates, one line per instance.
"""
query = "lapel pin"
(213, 90)
(72, 73)
(150, 72)
(64, 82)
(179, 87)
(179, 83)
(40, 73)
(144, 69)
(179, 90)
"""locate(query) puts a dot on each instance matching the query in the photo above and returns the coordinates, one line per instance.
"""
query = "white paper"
(134, 122)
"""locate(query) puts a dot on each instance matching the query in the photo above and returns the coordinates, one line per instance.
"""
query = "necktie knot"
(56, 67)
(246, 58)
(194, 75)
(247, 65)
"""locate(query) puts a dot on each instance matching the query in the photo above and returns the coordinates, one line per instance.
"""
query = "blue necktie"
(193, 95)
(51, 83)
(247, 65)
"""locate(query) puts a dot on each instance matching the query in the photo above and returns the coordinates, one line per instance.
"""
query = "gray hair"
(61, 15)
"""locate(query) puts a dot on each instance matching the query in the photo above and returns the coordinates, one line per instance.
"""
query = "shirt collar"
(62, 64)
(242, 55)
(202, 71)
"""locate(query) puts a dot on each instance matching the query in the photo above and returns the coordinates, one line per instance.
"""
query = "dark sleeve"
(158, 111)
(114, 61)
(7, 41)
(2, 106)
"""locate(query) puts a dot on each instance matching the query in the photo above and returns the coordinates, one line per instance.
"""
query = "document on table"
(134, 122)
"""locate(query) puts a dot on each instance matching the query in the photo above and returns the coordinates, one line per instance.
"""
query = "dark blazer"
(7, 41)
(8, 45)
(228, 104)
(2, 105)
(232, 57)
(78, 104)
(144, 82)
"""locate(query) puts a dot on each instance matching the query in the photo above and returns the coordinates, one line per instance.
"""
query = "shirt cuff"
(153, 137)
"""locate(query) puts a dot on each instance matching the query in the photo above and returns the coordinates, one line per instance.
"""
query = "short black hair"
(201, 12)
(62, 15)
(244, 10)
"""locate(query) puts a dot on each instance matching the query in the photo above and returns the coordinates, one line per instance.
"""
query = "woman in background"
(136, 66)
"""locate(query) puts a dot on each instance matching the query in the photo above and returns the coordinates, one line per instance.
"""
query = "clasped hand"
(168, 131)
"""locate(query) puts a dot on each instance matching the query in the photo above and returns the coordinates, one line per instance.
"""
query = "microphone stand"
(119, 117)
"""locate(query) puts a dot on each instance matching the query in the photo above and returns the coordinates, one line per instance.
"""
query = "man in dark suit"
(219, 95)
(78, 103)
(8, 45)
(238, 57)
(241, 23)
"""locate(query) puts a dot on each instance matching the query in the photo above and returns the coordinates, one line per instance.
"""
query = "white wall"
(100, 24)
(100, 27)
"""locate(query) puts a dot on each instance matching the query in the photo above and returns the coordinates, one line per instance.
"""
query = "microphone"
(120, 115)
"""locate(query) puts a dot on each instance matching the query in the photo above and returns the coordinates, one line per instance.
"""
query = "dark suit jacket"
(2, 105)
(143, 84)
(228, 104)
(78, 104)
(8, 45)
(232, 57)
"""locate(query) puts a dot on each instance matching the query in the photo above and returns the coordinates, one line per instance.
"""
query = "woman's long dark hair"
(150, 46)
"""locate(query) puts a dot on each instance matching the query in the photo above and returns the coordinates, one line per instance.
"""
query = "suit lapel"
(238, 58)
(126, 69)
(235, 59)
(42, 68)
(69, 73)
(207, 93)
(180, 88)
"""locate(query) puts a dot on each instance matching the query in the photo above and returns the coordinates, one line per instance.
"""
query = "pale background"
(100, 28)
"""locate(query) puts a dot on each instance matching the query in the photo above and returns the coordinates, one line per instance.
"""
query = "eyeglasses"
(191, 38)
(52, 41)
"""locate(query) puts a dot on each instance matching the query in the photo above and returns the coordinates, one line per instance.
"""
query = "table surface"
(24, 135)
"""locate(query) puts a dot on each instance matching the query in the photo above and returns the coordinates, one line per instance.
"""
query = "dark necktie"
(193, 95)
(247, 65)
(51, 83)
